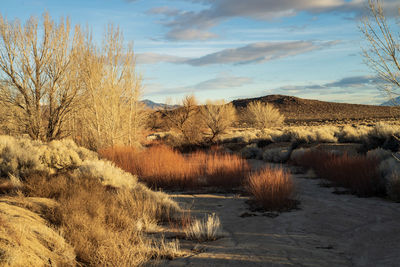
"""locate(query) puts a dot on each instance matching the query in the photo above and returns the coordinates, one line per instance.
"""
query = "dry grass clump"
(241, 135)
(272, 189)
(384, 130)
(390, 171)
(379, 154)
(393, 186)
(321, 134)
(358, 173)
(251, 152)
(277, 155)
(107, 173)
(105, 225)
(102, 212)
(157, 166)
(10, 185)
(21, 156)
(161, 166)
(207, 229)
(350, 134)
(27, 240)
(379, 135)
(223, 170)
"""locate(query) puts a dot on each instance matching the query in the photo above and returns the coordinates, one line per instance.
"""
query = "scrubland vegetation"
(262, 115)
(77, 207)
(372, 136)
(65, 204)
(86, 211)
(272, 189)
(207, 229)
(357, 173)
(163, 167)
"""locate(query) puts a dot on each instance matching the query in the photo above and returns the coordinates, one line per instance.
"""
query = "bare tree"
(113, 113)
(383, 51)
(38, 66)
(184, 119)
(263, 115)
(218, 117)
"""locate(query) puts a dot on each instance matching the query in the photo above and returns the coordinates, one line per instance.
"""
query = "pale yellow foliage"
(111, 112)
(102, 212)
(263, 115)
(40, 70)
(218, 117)
(21, 156)
(207, 229)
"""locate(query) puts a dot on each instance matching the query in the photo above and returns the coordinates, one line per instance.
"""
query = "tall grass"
(161, 166)
(105, 225)
(205, 230)
(271, 188)
(358, 173)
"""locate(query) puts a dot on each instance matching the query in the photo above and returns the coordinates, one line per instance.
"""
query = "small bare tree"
(218, 117)
(39, 69)
(184, 119)
(263, 115)
(383, 51)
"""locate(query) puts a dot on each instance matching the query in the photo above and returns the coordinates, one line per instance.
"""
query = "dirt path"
(328, 230)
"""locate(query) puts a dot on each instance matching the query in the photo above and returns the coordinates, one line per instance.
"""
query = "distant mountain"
(297, 109)
(153, 105)
(392, 103)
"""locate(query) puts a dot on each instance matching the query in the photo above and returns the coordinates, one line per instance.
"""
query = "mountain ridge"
(300, 109)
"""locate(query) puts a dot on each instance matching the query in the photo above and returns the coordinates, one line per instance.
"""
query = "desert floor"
(327, 230)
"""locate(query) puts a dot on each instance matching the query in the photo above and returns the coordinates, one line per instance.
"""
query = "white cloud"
(222, 81)
(216, 11)
(352, 83)
(190, 34)
(251, 53)
(258, 53)
(153, 58)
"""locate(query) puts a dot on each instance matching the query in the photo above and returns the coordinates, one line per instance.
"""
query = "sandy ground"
(327, 230)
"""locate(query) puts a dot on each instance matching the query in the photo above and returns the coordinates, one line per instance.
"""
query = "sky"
(230, 49)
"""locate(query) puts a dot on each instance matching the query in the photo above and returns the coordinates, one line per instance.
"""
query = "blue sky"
(228, 49)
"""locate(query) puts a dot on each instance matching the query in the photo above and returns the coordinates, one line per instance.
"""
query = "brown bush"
(224, 170)
(105, 225)
(271, 188)
(360, 174)
(161, 166)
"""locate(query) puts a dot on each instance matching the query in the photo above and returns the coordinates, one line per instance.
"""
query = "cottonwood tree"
(113, 113)
(263, 115)
(383, 51)
(40, 73)
(218, 117)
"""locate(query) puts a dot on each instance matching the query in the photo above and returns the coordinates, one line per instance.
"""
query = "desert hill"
(306, 110)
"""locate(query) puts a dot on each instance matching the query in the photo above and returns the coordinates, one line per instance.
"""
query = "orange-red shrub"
(161, 166)
(272, 188)
(357, 173)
